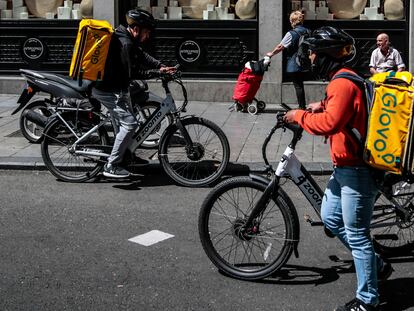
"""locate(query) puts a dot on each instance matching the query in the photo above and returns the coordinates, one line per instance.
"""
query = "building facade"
(210, 39)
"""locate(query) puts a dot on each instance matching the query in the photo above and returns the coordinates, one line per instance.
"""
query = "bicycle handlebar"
(175, 77)
(280, 123)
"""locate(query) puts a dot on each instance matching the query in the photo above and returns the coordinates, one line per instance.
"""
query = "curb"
(154, 167)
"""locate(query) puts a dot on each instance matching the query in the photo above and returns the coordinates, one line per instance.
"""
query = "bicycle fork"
(261, 204)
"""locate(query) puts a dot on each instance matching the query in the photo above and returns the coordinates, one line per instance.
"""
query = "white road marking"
(151, 237)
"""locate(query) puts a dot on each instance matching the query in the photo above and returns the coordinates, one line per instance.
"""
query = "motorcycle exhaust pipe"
(35, 117)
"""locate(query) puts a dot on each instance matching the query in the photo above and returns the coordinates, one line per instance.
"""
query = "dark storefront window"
(208, 38)
(39, 34)
(363, 19)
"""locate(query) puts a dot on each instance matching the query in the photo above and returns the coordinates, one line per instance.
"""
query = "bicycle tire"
(232, 200)
(61, 162)
(152, 141)
(202, 165)
(397, 238)
(31, 131)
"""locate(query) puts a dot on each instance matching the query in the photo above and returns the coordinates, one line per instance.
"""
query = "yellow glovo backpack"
(389, 142)
(390, 133)
(90, 50)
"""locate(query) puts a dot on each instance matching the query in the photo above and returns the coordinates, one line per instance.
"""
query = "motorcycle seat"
(74, 84)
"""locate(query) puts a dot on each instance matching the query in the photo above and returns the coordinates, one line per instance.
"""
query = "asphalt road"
(66, 247)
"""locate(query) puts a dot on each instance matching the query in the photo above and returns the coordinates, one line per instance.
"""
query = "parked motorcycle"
(63, 91)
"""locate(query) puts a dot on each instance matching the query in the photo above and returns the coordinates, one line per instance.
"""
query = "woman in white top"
(290, 43)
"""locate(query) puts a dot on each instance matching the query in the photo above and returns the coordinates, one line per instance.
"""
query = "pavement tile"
(246, 134)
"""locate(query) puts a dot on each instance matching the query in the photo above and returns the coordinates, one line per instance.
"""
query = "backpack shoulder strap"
(359, 81)
(366, 89)
(365, 86)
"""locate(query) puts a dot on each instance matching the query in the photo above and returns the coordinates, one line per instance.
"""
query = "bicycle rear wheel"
(247, 253)
(393, 229)
(197, 165)
(62, 161)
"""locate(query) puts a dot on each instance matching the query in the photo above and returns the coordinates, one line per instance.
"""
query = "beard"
(324, 65)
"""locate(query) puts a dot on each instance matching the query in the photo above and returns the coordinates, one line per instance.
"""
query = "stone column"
(105, 10)
(270, 34)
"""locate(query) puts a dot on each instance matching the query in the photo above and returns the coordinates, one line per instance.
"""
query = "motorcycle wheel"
(31, 131)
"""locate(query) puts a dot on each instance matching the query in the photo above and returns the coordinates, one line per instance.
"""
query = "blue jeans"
(346, 211)
(118, 105)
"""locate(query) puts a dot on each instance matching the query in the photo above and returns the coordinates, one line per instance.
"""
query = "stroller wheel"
(261, 105)
(252, 109)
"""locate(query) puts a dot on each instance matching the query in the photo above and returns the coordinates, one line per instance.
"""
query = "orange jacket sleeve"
(339, 109)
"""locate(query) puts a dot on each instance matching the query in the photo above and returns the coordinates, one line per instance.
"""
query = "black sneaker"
(356, 305)
(115, 171)
(385, 272)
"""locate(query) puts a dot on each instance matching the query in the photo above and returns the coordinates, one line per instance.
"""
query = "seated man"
(384, 57)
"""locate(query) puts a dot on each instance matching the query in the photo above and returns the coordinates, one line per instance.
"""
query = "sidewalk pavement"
(246, 134)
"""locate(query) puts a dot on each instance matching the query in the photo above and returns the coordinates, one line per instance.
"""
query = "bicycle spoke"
(200, 162)
(392, 221)
(246, 249)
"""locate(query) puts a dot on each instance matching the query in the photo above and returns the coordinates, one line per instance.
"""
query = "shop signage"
(33, 48)
(189, 51)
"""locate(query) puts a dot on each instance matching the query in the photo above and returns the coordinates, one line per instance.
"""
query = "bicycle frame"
(291, 167)
(142, 132)
(288, 166)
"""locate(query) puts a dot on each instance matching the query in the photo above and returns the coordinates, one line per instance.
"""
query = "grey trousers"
(118, 105)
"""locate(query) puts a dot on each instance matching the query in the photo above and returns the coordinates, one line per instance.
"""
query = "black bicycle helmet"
(331, 41)
(140, 18)
(333, 47)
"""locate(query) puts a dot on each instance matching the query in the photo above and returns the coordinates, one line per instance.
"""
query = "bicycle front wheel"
(247, 253)
(392, 224)
(60, 157)
(199, 164)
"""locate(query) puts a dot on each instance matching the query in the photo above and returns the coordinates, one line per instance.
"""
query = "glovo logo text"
(97, 49)
(389, 102)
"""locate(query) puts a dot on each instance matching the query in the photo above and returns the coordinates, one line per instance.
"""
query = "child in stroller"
(248, 84)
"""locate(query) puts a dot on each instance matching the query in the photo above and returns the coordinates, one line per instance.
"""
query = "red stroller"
(248, 84)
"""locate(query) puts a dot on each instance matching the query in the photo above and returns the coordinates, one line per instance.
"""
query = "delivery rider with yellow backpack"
(350, 194)
(125, 61)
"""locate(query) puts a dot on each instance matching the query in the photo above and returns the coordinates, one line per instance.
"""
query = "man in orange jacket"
(350, 194)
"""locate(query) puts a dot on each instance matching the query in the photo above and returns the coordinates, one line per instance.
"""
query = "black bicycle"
(249, 227)
(193, 151)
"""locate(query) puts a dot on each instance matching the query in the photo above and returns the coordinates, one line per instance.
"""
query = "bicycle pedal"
(311, 221)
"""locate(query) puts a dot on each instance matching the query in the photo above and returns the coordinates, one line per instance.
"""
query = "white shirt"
(287, 40)
(383, 63)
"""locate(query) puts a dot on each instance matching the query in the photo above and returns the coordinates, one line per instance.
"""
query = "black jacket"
(126, 61)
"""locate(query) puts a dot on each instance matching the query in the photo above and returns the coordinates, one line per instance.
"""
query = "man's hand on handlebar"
(168, 70)
(289, 117)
